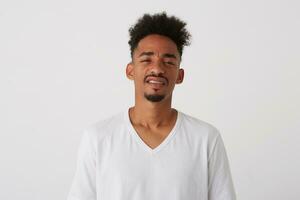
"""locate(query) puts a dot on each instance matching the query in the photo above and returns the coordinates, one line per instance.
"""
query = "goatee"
(154, 98)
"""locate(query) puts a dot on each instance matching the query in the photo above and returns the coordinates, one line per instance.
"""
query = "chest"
(153, 138)
(176, 172)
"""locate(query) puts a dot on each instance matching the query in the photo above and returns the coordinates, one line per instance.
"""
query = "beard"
(154, 97)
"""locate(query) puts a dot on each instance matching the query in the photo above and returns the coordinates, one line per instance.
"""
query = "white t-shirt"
(114, 163)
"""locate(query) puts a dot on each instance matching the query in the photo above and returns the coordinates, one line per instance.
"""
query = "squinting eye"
(170, 63)
(145, 61)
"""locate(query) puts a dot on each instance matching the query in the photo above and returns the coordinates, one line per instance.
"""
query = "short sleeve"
(220, 184)
(84, 182)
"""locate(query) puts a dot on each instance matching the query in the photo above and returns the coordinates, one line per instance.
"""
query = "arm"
(84, 182)
(220, 184)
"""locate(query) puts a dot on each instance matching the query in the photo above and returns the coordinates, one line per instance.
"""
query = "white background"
(62, 67)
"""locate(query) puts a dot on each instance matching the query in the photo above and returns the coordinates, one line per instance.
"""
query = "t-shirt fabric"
(114, 163)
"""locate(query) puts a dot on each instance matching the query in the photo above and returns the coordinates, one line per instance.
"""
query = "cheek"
(139, 79)
(173, 77)
(138, 75)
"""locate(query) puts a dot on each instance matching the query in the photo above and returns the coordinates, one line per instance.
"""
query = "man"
(152, 151)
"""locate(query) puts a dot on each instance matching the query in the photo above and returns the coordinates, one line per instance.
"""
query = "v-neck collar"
(142, 143)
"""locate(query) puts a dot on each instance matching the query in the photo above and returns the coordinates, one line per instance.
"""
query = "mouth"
(153, 82)
(158, 81)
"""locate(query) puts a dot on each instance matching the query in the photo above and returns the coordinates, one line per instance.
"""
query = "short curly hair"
(169, 26)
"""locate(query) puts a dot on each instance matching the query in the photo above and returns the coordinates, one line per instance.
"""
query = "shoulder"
(100, 129)
(200, 128)
(201, 132)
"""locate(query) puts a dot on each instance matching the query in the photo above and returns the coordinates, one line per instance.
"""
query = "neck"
(149, 114)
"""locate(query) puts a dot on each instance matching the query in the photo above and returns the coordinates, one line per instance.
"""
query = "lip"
(159, 79)
(156, 85)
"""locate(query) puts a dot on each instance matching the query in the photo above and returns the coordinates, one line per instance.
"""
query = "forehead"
(157, 44)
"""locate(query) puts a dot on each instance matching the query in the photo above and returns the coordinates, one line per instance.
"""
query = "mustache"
(157, 76)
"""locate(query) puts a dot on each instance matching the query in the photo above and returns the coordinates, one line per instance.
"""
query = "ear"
(180, 76)
(130, 71)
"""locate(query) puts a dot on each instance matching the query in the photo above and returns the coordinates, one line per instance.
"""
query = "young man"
(152, 151)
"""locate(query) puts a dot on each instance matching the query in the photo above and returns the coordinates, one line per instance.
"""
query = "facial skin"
(155, 69)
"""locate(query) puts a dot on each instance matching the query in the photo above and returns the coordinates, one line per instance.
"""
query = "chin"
(154, 97)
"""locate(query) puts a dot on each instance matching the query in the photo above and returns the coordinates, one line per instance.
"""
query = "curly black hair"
(169, 26)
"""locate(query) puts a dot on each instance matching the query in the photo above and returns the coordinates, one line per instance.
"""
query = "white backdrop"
(62, 67)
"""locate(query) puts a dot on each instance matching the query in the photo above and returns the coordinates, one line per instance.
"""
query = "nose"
(157, 67)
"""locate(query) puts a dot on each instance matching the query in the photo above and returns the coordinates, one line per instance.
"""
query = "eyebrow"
(150, 53)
